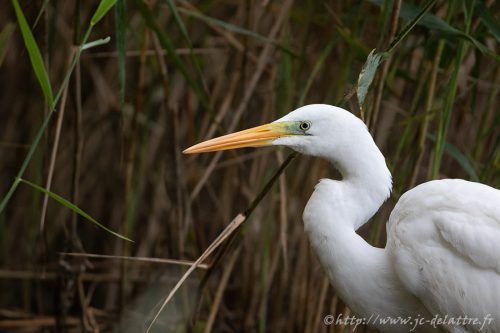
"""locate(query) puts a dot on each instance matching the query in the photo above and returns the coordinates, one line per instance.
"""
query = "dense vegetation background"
(178, 72)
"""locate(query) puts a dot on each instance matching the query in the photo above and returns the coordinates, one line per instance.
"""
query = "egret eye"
(305, 125)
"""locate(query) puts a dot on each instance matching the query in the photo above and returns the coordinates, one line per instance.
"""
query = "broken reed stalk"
(225, 234)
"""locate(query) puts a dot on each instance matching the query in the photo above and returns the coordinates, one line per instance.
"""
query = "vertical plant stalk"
(131, 143)
(120, 28)
(429, 102)
(78, 147)
(228, 269)
(444, 120)
(412, 111)
(53, 155)
(488, 119)
(267, 283)
(317, 323)
(84, 305)
(130, 159)
(372, 121)
(180, 24)
(173, 130)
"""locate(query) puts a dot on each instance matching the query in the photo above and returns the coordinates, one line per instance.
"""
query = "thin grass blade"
(177, 18)
(168, 45)
(102, 9)
(430, 21)
(488, 19)
(317, 66)
(121, 27)
(35, 55)
(40, 12)
(235, 29)
(354, 41)
(5, 36)
(182, 27)
(464, 162)
(458, 156)
(416, 18)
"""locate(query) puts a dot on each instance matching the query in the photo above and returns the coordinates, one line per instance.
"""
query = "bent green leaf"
(73, 207)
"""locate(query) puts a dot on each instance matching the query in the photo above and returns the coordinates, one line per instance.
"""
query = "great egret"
(440, 269)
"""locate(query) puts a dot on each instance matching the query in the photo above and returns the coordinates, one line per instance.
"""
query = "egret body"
(442, 256)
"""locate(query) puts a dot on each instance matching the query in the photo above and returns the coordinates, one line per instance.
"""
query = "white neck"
(366, 181)
(361, 274)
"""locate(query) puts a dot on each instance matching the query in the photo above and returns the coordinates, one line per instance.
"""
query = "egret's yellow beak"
(254, 137)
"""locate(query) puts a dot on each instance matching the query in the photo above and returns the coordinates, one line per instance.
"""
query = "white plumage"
(444, 240)
(442, 258)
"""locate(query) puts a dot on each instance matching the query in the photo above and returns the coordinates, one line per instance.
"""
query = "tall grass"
(177, 72)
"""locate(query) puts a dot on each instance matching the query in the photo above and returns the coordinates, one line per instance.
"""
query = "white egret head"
(318, 130)
(311, 130)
